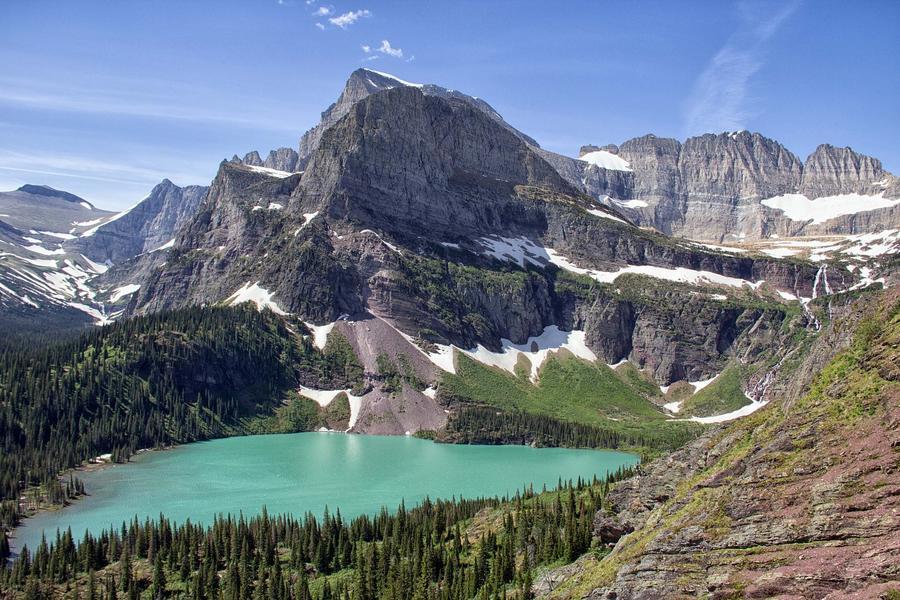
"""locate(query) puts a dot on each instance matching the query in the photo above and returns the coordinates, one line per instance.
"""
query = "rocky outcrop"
(282, 159)
(364, 82)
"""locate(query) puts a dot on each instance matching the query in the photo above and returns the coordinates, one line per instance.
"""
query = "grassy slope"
(569, 389)
(723, 395)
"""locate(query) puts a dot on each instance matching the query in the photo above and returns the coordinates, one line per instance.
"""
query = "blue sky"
(104, 99)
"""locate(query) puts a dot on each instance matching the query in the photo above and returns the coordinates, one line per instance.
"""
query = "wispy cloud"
(76, 167)
(719, 100)
(320, 26)
(120, 101)
(323, 11)
(386, 48)
(349, 18)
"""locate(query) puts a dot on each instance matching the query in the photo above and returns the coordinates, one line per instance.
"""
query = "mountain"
(419, 266)
(53, 246)
(741, 186)
(758, 188)
(425, 226)
(148, 226)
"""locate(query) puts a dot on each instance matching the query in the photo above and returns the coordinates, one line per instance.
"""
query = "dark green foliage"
(341, 366)
(482, 425)
(156, 380)
(447, 550)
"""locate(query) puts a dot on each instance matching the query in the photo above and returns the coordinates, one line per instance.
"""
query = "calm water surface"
(307, 472)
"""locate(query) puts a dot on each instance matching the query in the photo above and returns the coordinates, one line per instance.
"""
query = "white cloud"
(322, 11)
(719, 98)
(349, 18)
(366, 48)
(320, 26)
(371, 58)
(386, 48)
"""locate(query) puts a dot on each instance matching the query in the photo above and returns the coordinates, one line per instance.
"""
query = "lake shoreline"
(18, 539)
(88, 466)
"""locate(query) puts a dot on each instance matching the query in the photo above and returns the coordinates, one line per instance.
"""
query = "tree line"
(441, 550)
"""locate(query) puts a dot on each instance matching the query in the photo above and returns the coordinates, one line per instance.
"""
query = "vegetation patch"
(725, 394)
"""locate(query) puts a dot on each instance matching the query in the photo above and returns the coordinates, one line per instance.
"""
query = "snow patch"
(631, 203)
(125, 290)
(699, 385)
(165, 246)
(307, 217)
(780, 252)
(606, 160)
(798, 207)
(743, 411)
(269, 172)
(320, 333)
(261, 297)
(56, 234)
(536, 349)
(397, 79)
(605, 215)
(41, 250)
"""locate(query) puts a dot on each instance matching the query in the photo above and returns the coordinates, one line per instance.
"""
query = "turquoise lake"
(307, 472)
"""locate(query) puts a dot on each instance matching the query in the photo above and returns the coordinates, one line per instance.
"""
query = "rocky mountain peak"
(365, 82)
(830, 170)
(253, 159)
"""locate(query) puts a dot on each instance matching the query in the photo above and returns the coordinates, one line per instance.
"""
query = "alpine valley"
(418, 266)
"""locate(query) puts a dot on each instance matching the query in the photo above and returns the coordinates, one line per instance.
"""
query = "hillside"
(798, 500)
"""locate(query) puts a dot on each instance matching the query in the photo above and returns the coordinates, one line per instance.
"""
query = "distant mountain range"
(399, 178)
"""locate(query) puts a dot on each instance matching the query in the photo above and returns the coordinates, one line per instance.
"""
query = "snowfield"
(798, 207)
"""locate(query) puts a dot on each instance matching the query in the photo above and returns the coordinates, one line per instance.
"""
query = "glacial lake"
(306, 472)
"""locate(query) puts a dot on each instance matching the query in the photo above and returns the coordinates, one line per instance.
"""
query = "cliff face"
(713, 187)
(801, 499)
(830, 171)
(146, 227)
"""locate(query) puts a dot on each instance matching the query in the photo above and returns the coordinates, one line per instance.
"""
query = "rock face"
(364, 82)
(830, 171)
(149, 225)
(282, 159)
(798, 501)
(711, 187)
(708, 188)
